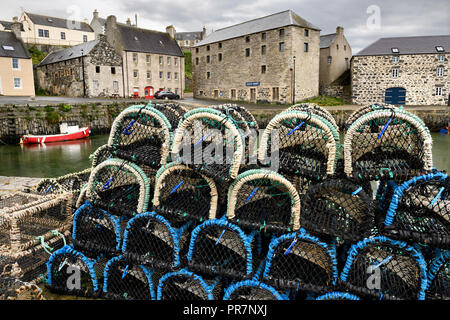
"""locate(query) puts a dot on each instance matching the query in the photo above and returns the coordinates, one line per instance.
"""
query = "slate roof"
(142, 40)
(194, 35)
(57, 22)
(69, 53)
(326, 40)
(273, 21)
(407, 45)
(7, 25)
(9, 39)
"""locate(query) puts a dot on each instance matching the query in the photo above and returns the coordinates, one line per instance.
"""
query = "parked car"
(165, 94)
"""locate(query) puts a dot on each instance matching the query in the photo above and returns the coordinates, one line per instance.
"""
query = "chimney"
(204, 33)
(111, 22)
(129, 22)
(339, 30)
(85, 20)
(16, 28)
(171, 31)
(95, 14)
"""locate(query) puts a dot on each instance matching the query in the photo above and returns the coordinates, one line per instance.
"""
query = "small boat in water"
(68, 132)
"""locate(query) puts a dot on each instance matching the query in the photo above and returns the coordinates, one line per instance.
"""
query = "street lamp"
(293, 90)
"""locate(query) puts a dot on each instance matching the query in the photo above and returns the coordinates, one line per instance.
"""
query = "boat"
(69, 131)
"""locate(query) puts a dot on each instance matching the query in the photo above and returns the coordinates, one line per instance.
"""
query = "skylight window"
(8, 48)
(395, 50)
(136, 38)
(439, 48)
(49, 20)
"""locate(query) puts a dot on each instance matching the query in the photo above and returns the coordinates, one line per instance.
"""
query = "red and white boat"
(68, 132)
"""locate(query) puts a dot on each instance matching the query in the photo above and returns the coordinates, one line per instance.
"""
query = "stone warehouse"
(404, 70)
(152, 60)
(91, 69)
(270, 59)
(188, 39)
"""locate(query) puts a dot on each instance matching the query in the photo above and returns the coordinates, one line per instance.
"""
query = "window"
(135, 73)
(345, 47)
(96, 85)
(439, 91)
(17, 83)
(220, 45)
(116, 86)
(41, 33)
(281, 46)
(305, 47)
(196, 50)
(176, 90)
(395, 73)
(247, 39)
(263, 69)
(161, 75)
(207, 48)
(337, 47)
(281, 32)
(15, 63)
(113, 70)
(63, 36)
(306, 33)
(148, 58)
(275, 94)
(97, 69)
(208, 59)
(196, 60)
(8, 48)
(168, 61)
(329, 60)
(263, 36)
(175, 61)
(395, 59)
(208, 75)
(186, 42)
(439, 48)
(161, 60)
(395, 50)
(441, 58)
(135, 57)
(149, 75)
(233, 94)
(247, 52)
(220, 57)
(168, 75)
(440, 71)
(175, 75)
(84, 38)
(263, 49)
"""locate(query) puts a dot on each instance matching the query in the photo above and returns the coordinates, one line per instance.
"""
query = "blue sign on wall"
(252, 84)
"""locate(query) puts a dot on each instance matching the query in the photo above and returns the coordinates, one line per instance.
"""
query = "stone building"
(335, 56)
(254, 61)
(45, 30)
(91, 69)
(186, 40)
(16, 65)
(403, 70)
(98, 24)
(150, 58)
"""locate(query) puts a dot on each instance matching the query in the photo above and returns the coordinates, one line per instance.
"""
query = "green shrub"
(52, 117)
(49, 109)
(325, 101)
(65, 107)
(31, 108)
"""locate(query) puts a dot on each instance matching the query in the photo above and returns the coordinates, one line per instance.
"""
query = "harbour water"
(57, 159)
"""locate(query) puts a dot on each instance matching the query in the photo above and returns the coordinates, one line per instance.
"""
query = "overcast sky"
(363, 21)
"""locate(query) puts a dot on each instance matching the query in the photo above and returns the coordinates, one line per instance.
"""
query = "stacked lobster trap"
(193, 205)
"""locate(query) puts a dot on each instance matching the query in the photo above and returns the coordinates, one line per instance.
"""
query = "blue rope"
(356, 191)
(177, 186)
(251, 194)
(384, 128)
(437, 196)
(296, 128)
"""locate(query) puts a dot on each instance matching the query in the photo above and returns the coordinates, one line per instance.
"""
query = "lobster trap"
(317, 110)
(207, 140)
(300, 262)
(438, 287)
(126, 281)
(174, 112)
(252, 290)
(338, 296)
(218, 247)
(419, 211)
(361, 111)
(382, 268)
(261, 199)
(338, 208)
(185, 285)
(14, 289)
(387, 144)
(183, 194)
(96, 232)
(304, 144)
(102, 153)
(119, 187)
(71, 272)
(141, 134)
(149, 239)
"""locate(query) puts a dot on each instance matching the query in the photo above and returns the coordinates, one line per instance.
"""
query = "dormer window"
(395, 50)
(439, 48)
(136, 38)
(395, 59)
(8, 48)
(49, 20)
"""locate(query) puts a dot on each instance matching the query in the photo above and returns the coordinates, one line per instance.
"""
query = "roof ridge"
(46, 16)
(273, 14)
(329, 34)
(132, 27)
(430, 36)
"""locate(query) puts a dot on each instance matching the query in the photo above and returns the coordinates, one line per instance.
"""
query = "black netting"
(422, 213)
(14, 289)
(338, 208)
(439, 286)
(315, 109)
(384, 271)
(95, 232)
(252, 290)
(8, 202)
(127, 281)
(301, 264)
(364, 110)
(185, 285)
(173, 112)
(48, 186)
(103, 153)
(184, 194)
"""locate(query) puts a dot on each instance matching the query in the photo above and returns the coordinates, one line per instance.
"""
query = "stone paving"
(13, 184)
